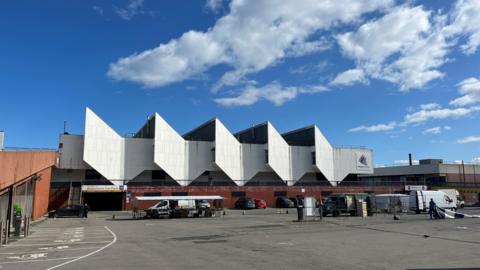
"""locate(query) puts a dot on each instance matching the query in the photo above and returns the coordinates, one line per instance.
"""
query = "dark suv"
(284, 202)
(245, 203)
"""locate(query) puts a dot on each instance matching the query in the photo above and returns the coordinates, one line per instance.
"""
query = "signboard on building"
(363, 162)
(418, 188)
(103, 188)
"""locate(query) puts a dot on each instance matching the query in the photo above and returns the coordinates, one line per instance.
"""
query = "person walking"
(432, 208)
(85, 210)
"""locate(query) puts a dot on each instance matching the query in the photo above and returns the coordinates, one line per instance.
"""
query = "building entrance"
(104, 201)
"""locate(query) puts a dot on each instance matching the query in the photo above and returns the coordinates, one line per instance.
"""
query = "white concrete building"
(208, 155)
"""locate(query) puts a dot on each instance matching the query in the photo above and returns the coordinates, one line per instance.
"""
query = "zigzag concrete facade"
(208, 155)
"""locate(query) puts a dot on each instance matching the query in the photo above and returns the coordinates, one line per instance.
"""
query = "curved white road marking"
(89, 254)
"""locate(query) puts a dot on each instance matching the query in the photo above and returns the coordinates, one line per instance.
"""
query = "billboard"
(363, 161)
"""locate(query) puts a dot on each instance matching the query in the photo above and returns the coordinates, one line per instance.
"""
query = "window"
(314, 158)
(238, 194)
(280, 194)
(179, 193)
(266, 156)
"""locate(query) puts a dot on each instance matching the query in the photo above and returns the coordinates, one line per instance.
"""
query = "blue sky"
(397, 77)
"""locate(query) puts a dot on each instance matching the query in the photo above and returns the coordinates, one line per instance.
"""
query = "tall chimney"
(410, 159)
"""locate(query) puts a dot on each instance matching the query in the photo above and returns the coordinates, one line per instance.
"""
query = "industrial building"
(432, 173)
(105, 169)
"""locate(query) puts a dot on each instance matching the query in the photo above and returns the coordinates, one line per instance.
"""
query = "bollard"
(243, 213)
(113, 216)
(26, 224)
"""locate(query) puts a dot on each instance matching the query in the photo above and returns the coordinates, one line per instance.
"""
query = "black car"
(245, 203)
(284, 202)
(67, 211)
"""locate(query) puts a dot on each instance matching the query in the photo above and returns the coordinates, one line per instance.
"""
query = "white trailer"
(420, 200)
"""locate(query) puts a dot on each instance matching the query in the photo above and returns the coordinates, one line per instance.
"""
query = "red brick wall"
(257, 192)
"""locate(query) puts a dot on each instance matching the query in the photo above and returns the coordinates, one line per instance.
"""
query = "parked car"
(297, 201)
(67, 211)
(245, 203)
(284, 202)
(260, 204)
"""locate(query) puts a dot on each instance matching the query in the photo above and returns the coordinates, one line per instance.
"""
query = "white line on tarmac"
(47, 244)
(64, 238)
(49, 250)
(89, 254)
(46, 260)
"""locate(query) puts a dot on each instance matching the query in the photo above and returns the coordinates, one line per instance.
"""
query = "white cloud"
(374, 128)
(470, 89)
(465, 21)
(98, 10)
(406, 47)
(425, 115)
(350, 77)
(469, 139)
(251, 37)
(214, 5)
(476, 160)
(273, 92)
(134, 8)
(434, 130)
(430, 106)
(177, 60)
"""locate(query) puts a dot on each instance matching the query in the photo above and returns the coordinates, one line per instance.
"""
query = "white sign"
(419, 188)
(363, 162)
(103, 188)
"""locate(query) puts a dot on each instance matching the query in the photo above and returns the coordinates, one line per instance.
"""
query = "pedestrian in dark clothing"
(85, 210)
(432, 208)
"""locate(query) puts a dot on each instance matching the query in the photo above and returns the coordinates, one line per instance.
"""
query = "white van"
(420, 200)
(455, 195)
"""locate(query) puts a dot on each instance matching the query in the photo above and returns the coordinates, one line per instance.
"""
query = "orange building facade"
(25, 182)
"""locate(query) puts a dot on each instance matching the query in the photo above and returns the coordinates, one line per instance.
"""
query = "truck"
(420, 200)
(347, 203)
(455, 195)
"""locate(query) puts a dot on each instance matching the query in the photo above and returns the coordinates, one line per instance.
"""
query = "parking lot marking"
(46, 260)
(89, 254)
(28, 245)
(28, 256)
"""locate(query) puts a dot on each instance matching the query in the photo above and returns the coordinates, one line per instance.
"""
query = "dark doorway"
(104, 201)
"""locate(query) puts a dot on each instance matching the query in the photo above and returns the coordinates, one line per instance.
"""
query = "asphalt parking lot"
(260, 239)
